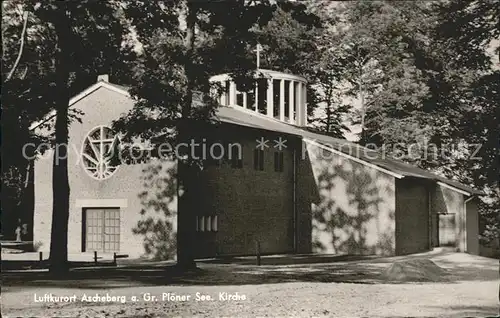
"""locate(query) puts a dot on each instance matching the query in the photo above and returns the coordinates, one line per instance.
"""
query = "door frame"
(84, 225)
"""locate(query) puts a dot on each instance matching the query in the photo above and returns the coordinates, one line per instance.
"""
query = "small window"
(206, 223)
(278, 161)
(240, 98)
(201, 224)
(262, 95)
(251, 100)
(276, 98)
(214, 223)
(226, 93)
(215, 154)
(236, 156)
(258, 159)
(287, 99)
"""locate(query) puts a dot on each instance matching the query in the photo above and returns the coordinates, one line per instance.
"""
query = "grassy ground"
(279, 288)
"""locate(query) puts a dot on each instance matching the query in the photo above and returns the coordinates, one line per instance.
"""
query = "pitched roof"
(243, 117)
(89, 90)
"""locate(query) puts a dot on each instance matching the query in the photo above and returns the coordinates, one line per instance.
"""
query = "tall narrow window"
(262, 95)
(251, 100)
(278, 161)
(215, 153)
(226, 93)
(236, 156)
(239, 98)
(214, 223)
(201, 224)
(208, 223)
(287, 99)
(276, 98)
(296, 102)
(258, 159)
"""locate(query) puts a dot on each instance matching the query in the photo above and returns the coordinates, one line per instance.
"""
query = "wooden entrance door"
(101, 230)
(447, 230)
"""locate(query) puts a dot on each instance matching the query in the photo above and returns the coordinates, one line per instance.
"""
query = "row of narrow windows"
(258, 161)
(206, 223)
(234, 160)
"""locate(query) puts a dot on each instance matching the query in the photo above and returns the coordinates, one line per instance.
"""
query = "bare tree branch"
(27, 179)
(25, 72)
(16, 63)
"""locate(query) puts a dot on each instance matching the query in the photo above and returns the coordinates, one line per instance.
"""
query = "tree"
(176, 38)
(287, 34)
(298, 39)
(470, 32)
(327, 81)
(184, 43)
(21, 58)
(423, 76)
(378, 70)
(326, 69)
(65, 43)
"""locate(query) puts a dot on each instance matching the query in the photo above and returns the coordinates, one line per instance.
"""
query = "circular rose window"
(99, 149)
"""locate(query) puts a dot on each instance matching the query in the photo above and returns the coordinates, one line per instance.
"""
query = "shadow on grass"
(472, 311)
(40, 265)
(287, 259)
(101, 278)
(241, 271)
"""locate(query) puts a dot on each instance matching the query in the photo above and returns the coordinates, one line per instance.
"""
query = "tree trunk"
(362, 139)
(60, 185)
(328, 118)
(329, 93)
(186, 170)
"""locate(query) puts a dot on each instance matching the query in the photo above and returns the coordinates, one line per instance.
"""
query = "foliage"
(327, 68)
(471, 31)
(158, 201)
(22, 89)
(418, 72)
(67, 44)
(183, 44)
(226, 37)
(29, 94)
(420, 82)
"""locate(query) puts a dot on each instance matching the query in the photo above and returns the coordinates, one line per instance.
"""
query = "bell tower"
(276, 94)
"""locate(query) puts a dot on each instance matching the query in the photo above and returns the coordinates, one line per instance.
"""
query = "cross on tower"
(258, 49)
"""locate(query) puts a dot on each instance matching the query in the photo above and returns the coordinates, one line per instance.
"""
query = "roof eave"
(89, 90)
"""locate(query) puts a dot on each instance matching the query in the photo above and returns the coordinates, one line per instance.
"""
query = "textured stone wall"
(251, 205)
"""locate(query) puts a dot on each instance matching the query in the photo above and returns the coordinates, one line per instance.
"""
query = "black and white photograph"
(250, 158)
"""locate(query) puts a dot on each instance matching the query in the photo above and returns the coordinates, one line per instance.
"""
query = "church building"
(285, 188)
